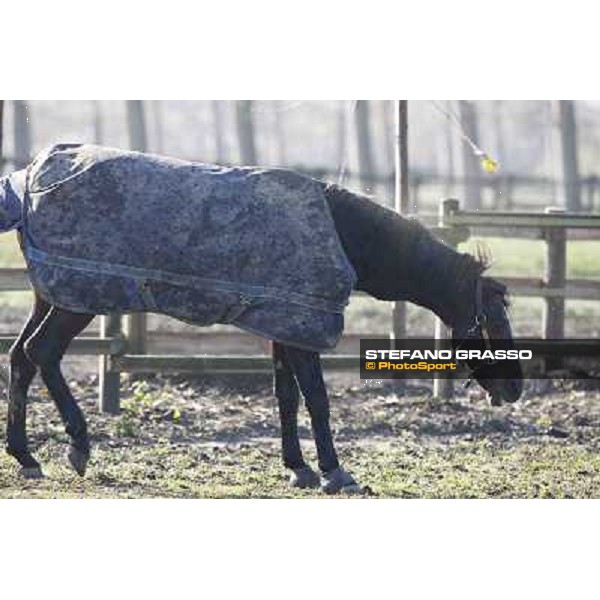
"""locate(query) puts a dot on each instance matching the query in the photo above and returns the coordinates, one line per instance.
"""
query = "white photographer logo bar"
(448, 354)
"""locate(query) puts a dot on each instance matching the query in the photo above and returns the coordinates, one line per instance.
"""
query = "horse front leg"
(45, 348)
(288, 399)
(309, 374)
(21, 374)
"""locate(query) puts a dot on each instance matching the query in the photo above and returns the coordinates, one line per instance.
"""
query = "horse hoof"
(339, 480)
(494, 400)
(31, 472)
(78, 460)
(304, 478)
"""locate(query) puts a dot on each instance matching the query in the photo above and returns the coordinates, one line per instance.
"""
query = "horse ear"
(483, 254)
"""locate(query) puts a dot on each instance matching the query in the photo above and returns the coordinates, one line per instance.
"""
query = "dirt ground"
(185, 438)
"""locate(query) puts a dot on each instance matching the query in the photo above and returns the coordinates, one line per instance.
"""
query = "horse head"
(487, 327)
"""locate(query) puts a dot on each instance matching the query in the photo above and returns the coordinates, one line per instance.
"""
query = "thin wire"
(453, 118)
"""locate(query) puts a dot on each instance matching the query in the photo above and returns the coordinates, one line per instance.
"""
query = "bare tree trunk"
(451, 173)
(569, 165)
(97, 122)
(499, 130)
(1, 135)
(245, 131)
(501, 188)
(22, 134)
(387, 122)
(342, 140)
(365, 152)
(547, 109)
(281, 156)
(217, 115)
(402, 174)
(157, 115)
(136, 125)
(468, 118)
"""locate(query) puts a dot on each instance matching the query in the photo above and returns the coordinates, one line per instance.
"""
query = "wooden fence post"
(136, 324)
(109, 378)
(555, 277)
(443, 387)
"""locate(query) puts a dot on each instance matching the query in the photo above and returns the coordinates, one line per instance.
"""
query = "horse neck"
(398, 259)
(441, 280)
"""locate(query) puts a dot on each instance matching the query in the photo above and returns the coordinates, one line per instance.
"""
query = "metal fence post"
(555, 277)
(22, 134)
(366, 168)
(401, 201)
(109, 378)
(443, 387)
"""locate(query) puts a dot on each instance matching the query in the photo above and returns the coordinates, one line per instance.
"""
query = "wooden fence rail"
(454, 226)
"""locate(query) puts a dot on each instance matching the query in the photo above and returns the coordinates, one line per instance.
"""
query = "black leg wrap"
(304, 478)
(339, 480)
(30, 468)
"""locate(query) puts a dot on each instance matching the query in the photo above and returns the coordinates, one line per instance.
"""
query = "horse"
(391, 258)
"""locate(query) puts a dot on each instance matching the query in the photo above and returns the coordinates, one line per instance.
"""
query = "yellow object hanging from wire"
(488, 164)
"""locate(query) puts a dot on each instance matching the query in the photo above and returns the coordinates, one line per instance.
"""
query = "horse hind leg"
(21, 374)
(288, 399)
(46, 348)
(308, 372)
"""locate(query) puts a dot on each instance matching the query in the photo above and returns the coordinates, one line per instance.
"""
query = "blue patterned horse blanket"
(107, 230)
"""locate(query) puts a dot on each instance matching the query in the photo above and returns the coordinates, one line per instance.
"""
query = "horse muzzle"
(504, 390)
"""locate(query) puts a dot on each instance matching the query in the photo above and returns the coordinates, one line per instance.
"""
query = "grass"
(462, 470)
(525, 258)
(185, 440)
(10, 253)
